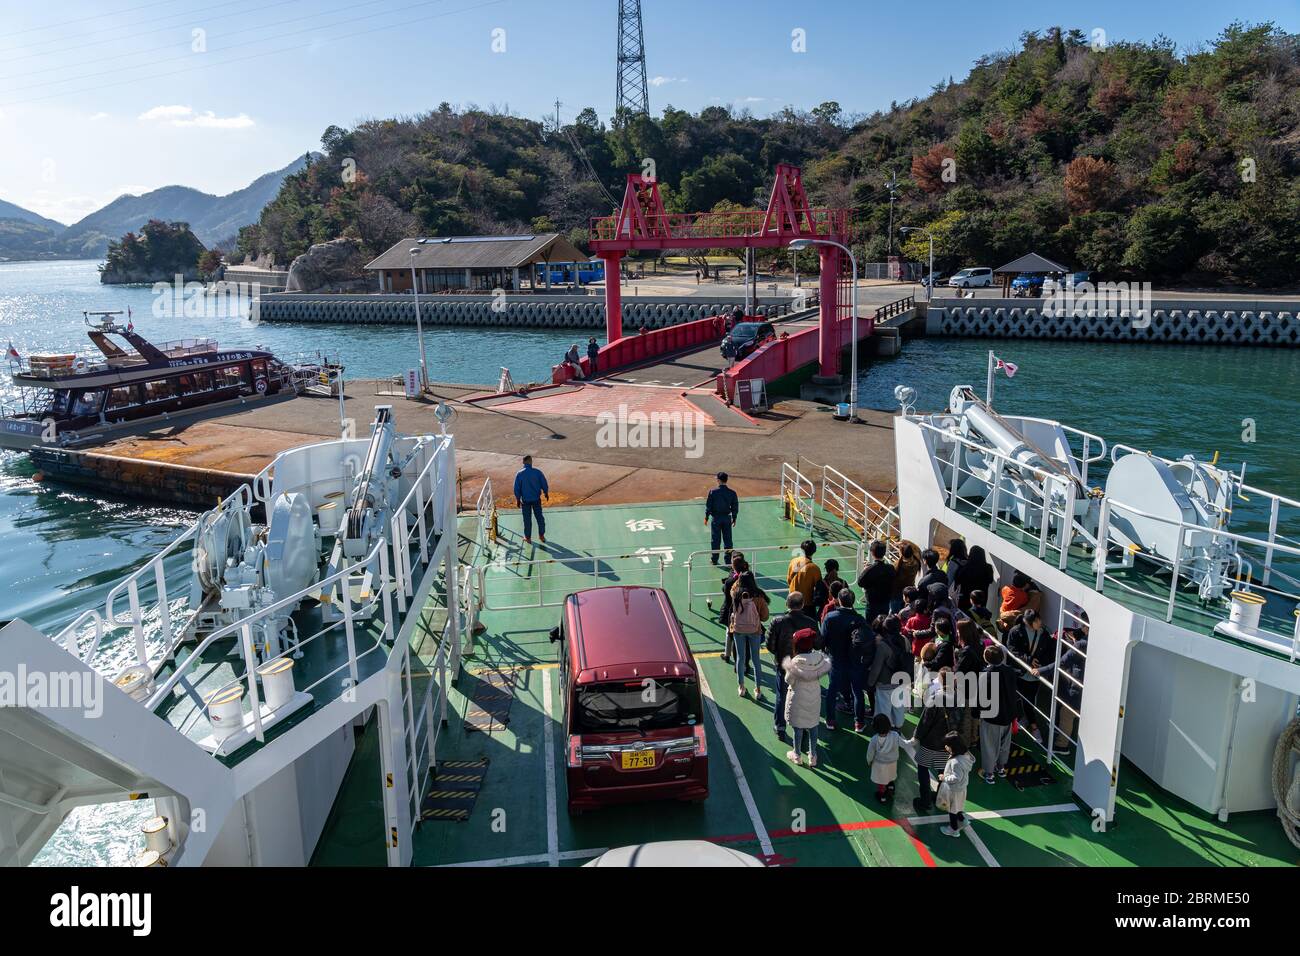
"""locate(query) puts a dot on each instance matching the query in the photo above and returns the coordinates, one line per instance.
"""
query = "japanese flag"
(1009, 367)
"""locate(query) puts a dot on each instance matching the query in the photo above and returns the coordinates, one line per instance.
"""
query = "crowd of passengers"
(903, 640)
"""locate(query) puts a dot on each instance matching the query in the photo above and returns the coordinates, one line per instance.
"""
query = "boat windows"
(229, 377)
(160, 390)
(86, 403)
(120, 398)
(197, 382)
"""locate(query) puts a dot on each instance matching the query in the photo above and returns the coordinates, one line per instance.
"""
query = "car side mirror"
(556, 635)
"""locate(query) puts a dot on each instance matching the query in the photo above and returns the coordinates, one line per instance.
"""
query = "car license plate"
(638, 759)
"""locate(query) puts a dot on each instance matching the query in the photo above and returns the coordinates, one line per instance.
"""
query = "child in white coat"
(956, 778)
(882, 754)
(803, 701)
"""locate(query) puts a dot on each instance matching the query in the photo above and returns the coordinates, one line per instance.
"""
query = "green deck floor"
(825, 816)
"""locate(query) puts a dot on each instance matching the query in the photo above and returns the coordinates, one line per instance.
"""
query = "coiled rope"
(1287, 791)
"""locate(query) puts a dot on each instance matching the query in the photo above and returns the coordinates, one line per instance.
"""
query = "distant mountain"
(9, 211)
(211, 218)
(25, 235)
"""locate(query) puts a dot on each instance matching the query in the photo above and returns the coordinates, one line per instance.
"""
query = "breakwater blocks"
(1205, 321)
(521, 311)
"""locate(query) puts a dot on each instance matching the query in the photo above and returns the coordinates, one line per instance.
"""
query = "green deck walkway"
(823, 816)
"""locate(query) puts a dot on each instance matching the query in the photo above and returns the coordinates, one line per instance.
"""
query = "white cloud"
(186, 116)
(99, 116)
(754, 99)
(664, 80)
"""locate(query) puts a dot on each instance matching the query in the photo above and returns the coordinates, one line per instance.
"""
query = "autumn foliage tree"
(928, 168)
(1090, 184)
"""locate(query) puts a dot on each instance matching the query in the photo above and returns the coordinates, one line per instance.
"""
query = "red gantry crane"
(642, 223)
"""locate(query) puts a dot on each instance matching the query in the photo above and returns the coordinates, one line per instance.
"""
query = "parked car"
(631, 708)
(972, 278)
(694, 853)
(931, 281)
(746, 337)
(1033, 283)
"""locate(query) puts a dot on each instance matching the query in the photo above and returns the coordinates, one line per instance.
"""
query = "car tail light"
(701, 742)
(575, 751)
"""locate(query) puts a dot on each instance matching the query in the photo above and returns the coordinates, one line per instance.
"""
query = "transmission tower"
(633, 91)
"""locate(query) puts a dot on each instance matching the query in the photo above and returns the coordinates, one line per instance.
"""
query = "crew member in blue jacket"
(722, 506)
(530, 486)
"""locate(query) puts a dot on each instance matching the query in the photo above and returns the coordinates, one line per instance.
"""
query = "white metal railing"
(547, 582)
(484, 506)
(1244, 576)
(1045, 515)
(1276, 503)
(1054, 703)
(769, 564)
(798, 494)
(858, 508)
(151, 579)
(389, 565)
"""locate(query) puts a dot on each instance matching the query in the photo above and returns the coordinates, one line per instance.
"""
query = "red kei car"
(632, 712)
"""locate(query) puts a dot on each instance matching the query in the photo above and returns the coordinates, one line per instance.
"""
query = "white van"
(972, 278)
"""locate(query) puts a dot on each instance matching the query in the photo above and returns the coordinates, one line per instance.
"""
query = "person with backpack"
(749, 611)
(780, 644)
(738, 567)
(847, 637)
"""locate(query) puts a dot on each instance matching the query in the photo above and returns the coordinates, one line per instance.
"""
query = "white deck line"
(548, 737)
(746, 795)
(989, 858)
(998, 814)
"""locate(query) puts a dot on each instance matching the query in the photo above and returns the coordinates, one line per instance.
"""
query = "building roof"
(478, 252)
(1032, 263)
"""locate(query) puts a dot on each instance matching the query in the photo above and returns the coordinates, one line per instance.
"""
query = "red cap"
(803, 640)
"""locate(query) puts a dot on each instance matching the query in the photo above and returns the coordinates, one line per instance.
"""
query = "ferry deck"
(510, 811)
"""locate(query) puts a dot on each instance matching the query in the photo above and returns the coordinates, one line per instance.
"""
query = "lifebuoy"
(260, 385)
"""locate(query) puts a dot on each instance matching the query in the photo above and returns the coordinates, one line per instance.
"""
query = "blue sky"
(101, 97)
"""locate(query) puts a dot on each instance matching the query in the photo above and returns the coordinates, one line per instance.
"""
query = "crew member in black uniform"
(722, 506)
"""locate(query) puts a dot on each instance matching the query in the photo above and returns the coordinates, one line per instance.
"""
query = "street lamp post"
(798, 244)
(929, 282)
(419, 328)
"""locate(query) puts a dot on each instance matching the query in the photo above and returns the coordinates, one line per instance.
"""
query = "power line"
(252, 56)
(93, 16)
(185, 56)
(186, 19)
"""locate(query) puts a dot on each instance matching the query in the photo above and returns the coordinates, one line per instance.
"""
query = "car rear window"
(636, 705)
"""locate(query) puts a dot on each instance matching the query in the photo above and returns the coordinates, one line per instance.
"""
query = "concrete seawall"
(145, 479)
(1205, 321)
(534, 311)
